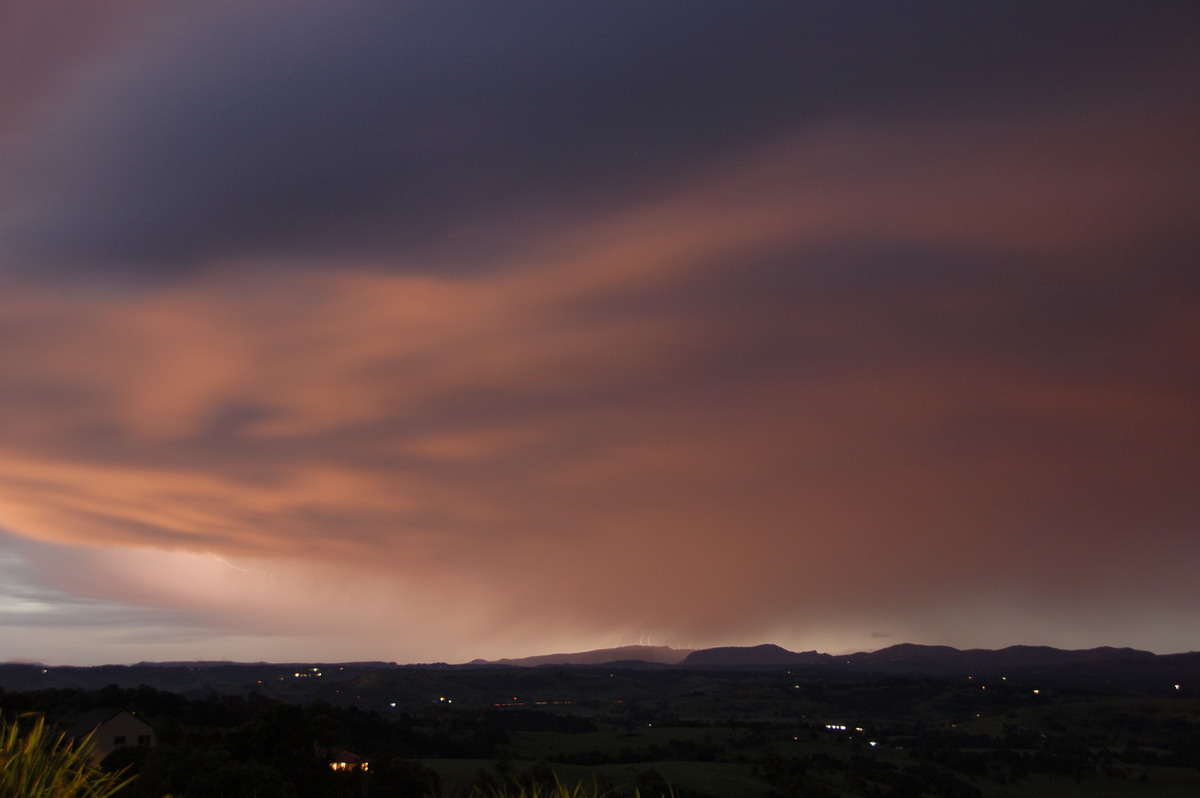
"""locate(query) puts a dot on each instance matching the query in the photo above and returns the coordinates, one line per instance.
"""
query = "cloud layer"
(425, 332)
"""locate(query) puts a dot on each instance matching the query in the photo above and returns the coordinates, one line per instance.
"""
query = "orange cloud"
(611, 429)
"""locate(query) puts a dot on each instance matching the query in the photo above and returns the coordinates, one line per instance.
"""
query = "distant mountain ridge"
(1104, 669)
(913, 658)
(947, 659)
(766, 654)
(662, 655)
(902, 658)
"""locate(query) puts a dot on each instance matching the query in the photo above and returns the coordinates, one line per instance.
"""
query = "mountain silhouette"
(664, 655)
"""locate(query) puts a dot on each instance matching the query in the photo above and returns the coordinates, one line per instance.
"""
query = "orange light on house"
(345, 766)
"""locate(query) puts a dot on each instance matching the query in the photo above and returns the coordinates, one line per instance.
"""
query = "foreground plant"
(34, 765)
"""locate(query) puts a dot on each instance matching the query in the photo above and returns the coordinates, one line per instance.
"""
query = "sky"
(428, 331)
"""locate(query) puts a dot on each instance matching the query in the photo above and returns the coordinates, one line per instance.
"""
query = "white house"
(112, 729)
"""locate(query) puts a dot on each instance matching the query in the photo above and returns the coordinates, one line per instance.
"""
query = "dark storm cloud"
(783, 322)
(404, 128)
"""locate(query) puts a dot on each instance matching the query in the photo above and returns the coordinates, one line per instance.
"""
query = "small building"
(112, 729)
(339, 759)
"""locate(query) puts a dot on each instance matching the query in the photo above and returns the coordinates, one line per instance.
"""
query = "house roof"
(336, 754)
(92, 719)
